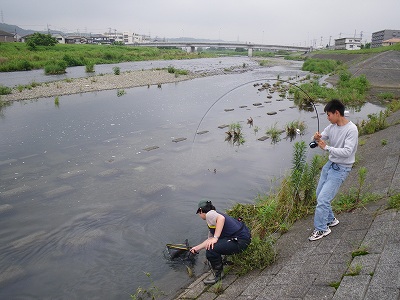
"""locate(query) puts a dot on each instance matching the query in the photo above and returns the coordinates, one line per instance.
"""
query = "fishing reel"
(313, 144)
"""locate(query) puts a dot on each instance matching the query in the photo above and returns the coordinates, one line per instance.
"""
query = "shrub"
(274, 133)
(24, 65)
(374, 123)
(55, 68)
(89, 67)
(121, 93)
(40, 39)
(117, 70)
(320, 66)
(386, 96)
(5, 90)
(394, 202)
(72, 61)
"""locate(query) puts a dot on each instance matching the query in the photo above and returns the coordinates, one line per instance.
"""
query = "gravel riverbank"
(128, 79)
(97, 83)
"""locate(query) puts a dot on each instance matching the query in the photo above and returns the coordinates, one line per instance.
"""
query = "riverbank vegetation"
(21, 57)
(350, 89)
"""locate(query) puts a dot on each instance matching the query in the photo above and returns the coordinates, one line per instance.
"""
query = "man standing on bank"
(226, 236)
(342, 135)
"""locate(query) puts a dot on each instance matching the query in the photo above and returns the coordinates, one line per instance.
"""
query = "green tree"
(40, 39)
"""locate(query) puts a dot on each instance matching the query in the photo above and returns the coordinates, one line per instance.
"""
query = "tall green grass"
(18, 56)
(320, 66)
(350, 90)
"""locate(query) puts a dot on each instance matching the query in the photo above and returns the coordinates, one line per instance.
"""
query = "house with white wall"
(60, 39)
(348, 44)
(132, 38)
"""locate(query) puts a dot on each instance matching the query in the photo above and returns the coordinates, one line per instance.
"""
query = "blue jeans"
(332, 176)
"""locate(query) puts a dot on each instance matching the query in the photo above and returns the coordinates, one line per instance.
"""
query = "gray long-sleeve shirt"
(343, 142)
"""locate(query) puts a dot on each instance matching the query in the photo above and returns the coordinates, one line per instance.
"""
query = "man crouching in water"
(226, 236)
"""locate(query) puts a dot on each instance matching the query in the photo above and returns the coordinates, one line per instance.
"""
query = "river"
(94, 188)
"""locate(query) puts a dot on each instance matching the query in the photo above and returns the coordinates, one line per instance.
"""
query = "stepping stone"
(202, 132)
(271, 113)
(280, 99)
(257, 104)
(293, 107)
(229, 109)
(260, 106)
(267, 101)
(179, 140)
(283, 109)
(151, 148)
(269, 96)
(223, 126)
(263, 138)
(243, 106)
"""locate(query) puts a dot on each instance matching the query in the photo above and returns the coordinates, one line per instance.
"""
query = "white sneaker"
(318, 234)
(333, 223)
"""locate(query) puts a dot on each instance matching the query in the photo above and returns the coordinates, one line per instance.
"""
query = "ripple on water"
(62, 190)
(15, 191)
(10, 274)
(34, 237)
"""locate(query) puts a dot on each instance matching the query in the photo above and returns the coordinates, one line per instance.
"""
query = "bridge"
(249, 46)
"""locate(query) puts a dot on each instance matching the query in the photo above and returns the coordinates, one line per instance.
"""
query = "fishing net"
(178, 252)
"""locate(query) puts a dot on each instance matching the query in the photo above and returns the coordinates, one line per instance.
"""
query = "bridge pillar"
(250, 52)
(192, 49)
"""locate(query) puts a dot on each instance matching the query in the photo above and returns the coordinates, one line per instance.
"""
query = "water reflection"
(86, 210)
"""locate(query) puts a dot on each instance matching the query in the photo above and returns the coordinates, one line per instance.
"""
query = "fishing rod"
(313, 144)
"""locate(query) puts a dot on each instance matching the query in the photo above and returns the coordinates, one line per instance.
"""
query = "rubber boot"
(216, 276)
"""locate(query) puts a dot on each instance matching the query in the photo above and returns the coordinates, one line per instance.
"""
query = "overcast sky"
(284, 22)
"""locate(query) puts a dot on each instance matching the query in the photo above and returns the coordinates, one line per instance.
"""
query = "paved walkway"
(330, 268)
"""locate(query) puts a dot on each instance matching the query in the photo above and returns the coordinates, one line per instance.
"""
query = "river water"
(86, 210)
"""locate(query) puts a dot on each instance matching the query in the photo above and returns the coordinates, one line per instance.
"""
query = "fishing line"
(251, 81)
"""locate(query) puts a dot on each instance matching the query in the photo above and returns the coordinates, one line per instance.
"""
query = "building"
(125, 37)
(132, 38)
(7, 37)
(75, 39)
(383, 35)
(60, 39)
(348, 44)
(390, 42)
